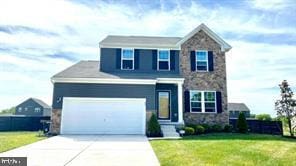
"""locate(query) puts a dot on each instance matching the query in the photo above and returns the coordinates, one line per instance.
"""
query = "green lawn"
(227, 149)
(11, 140)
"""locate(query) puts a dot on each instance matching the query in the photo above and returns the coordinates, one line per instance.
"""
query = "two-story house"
(178, 79)
(33, 107)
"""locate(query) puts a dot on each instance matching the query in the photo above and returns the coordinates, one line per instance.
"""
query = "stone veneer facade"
(56, 121)
(213, 80)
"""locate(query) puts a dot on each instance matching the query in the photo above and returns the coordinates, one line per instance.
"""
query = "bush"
(227, 128)
(217, 128)
(189, 131)
(191, 125)
(199, 129)
(241, 124)
(154, 127)
(206, 127)
(263, 117)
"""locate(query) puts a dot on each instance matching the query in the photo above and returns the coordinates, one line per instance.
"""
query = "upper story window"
(37, 109)
(26, 109)
(20, 109)
(201, 60)
(163, 60)
(127, 59)
(203, 101)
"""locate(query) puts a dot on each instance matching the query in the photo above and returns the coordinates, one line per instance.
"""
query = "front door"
(164, 105)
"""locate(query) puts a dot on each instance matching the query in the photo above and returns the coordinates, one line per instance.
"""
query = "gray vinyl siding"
(46, 112)
(104, 91)
(235, 113)
(30, 105)
(174, 98)
(108, 61)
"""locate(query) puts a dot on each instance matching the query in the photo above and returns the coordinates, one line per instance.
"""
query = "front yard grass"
(11, 140)
(226, 149)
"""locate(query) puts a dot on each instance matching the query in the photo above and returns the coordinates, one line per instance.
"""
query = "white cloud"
(255, 70)
(271, 4)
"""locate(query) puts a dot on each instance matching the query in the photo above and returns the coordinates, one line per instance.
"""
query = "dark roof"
(237, 107)
(38, 101)
(140, 41)
(91, 69)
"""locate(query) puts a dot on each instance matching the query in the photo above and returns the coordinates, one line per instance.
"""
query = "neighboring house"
(178, 79)
(33, 107)
(235, 108)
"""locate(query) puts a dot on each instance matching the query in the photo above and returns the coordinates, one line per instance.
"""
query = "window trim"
(202, 102)
(122, 59)
(159, 60)
(37, 109)
(207, 60)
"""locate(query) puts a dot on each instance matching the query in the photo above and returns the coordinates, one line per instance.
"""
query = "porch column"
(180, 102)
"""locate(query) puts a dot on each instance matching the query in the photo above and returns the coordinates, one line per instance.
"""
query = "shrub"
(217, 128)
(199, 129)
(154, 127)
(227, 128)
(189, 131)
(241, 124)
(263, 117)
(206, 127)
(190, 125)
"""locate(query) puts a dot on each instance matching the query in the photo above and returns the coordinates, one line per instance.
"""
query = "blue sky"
(40, 38)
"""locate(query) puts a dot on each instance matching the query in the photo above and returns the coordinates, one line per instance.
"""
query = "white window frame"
(159, 60)
(122, 59)
(203, 101)
(37, 109)
(207, 60)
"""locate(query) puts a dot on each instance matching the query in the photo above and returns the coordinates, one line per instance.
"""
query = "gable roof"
(91, 69)
(224, 46)
(160, 42)
(140, 41)
(38, 101)
(237, 107)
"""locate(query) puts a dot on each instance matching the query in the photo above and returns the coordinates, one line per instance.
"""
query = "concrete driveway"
(88, 150)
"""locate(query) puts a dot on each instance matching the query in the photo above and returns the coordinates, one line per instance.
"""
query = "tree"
(286, 106)
(264, 117)
(154, 129)
(8, 111)
(252, 115)
(242, 125)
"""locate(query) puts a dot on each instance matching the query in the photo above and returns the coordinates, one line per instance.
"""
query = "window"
(26, 109)
(20, 109)
(201, 60)
(210, 101)
(163, 60)
(203, 101)
(127, 59)
(195, 101)
(37, 109)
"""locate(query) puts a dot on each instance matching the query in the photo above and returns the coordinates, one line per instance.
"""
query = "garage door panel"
(103, 116)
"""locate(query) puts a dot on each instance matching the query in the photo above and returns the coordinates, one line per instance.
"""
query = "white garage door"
(103, 116)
